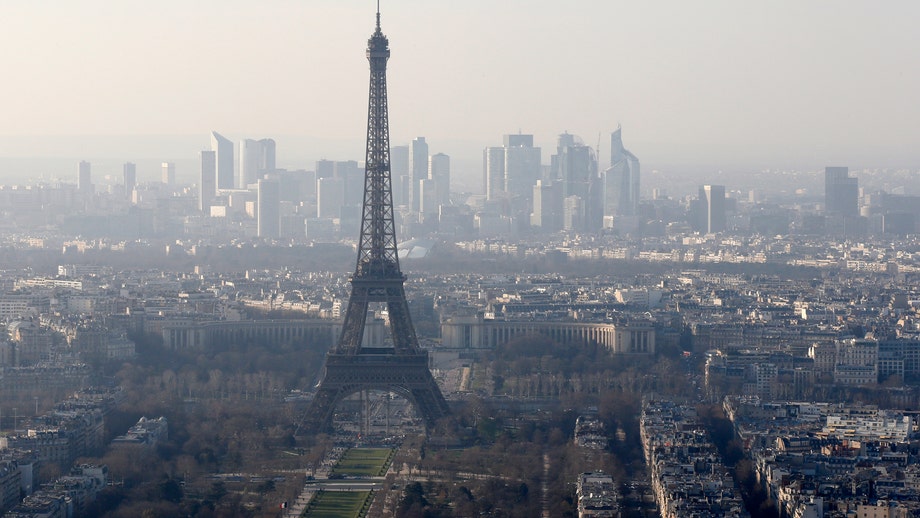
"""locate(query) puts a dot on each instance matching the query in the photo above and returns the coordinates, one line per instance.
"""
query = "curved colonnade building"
(456, 333)
(201, 335)
(480, 333)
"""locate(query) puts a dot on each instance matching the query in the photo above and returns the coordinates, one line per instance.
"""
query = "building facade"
(223, 154)
(621, 187)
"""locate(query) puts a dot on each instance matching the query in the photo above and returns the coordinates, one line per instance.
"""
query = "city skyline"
(562, 345)
(719, 85)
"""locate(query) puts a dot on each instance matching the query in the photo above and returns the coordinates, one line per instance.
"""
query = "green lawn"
(368, 462)
(338, 504)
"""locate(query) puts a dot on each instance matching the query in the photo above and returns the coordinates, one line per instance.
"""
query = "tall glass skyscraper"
(841, 192)
(223, 151)
(712, 205)
(129, 174)
(257, 157)
(207, 182)
(269, 208)
(621, 187)
(418, 169)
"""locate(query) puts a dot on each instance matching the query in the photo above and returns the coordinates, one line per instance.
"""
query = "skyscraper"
(257, 157)
(509, 174)
(352, 178)
(207, 180)
(428, 199)
(547, 206)
(399, 169)
(325, 168)
(330, 196)
(168, 173)
(129, 177)
(621, 187)
(841, 192)
(269, 208)
(522, 166)
(493, 172)
(223, 150)
(573, 213)
(841, 203)
(712, 205)
(575, 168)
(267, 163)
(85, 177)
(439, 173)
(418, 168)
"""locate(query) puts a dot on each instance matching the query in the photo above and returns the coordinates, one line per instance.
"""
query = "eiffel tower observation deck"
(351, 367)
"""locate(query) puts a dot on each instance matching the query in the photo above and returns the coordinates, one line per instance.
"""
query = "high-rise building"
(841, 192)
(250, 156)
(330, 195)
(269, 208)
(522, 166)
(428, 199)
(841, 203)
(573, 213)
(223, 149)
(85, 177)
(563, 141)
(352, 178)
(267, 164)
(621, 187)
(574, 166)
(257, 157)
(418, 168)
(509, 174)
(517, 140)
(129, 177)
(168, 173)
(493, 172)
(712, 209)
(399, 160)
(439, 173)
(207, 180)
(547, 206)
(399, 169)
(325, 168)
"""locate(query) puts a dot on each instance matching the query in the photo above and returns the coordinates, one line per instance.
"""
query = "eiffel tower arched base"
(404, 374)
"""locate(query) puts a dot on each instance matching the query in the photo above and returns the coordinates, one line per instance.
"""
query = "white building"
(269, 208)
(223, 150)
(596, 495)
(439, 172)
(256, 158)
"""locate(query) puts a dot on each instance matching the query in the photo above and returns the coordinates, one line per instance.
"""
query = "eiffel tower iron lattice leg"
(350, 367)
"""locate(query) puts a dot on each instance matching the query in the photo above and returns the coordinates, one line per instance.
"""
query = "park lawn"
(368, 462)
(338, 504)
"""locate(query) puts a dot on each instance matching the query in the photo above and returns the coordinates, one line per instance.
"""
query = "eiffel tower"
(351, 367)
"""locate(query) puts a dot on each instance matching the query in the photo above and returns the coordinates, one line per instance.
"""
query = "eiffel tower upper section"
(377, 256)
(377, 276)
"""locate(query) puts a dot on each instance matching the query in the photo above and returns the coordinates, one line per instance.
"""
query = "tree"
(170, 490)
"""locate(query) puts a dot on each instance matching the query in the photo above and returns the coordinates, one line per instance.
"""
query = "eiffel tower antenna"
(352, 367)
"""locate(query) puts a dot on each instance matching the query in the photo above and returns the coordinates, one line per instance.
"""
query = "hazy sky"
(755, 83)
